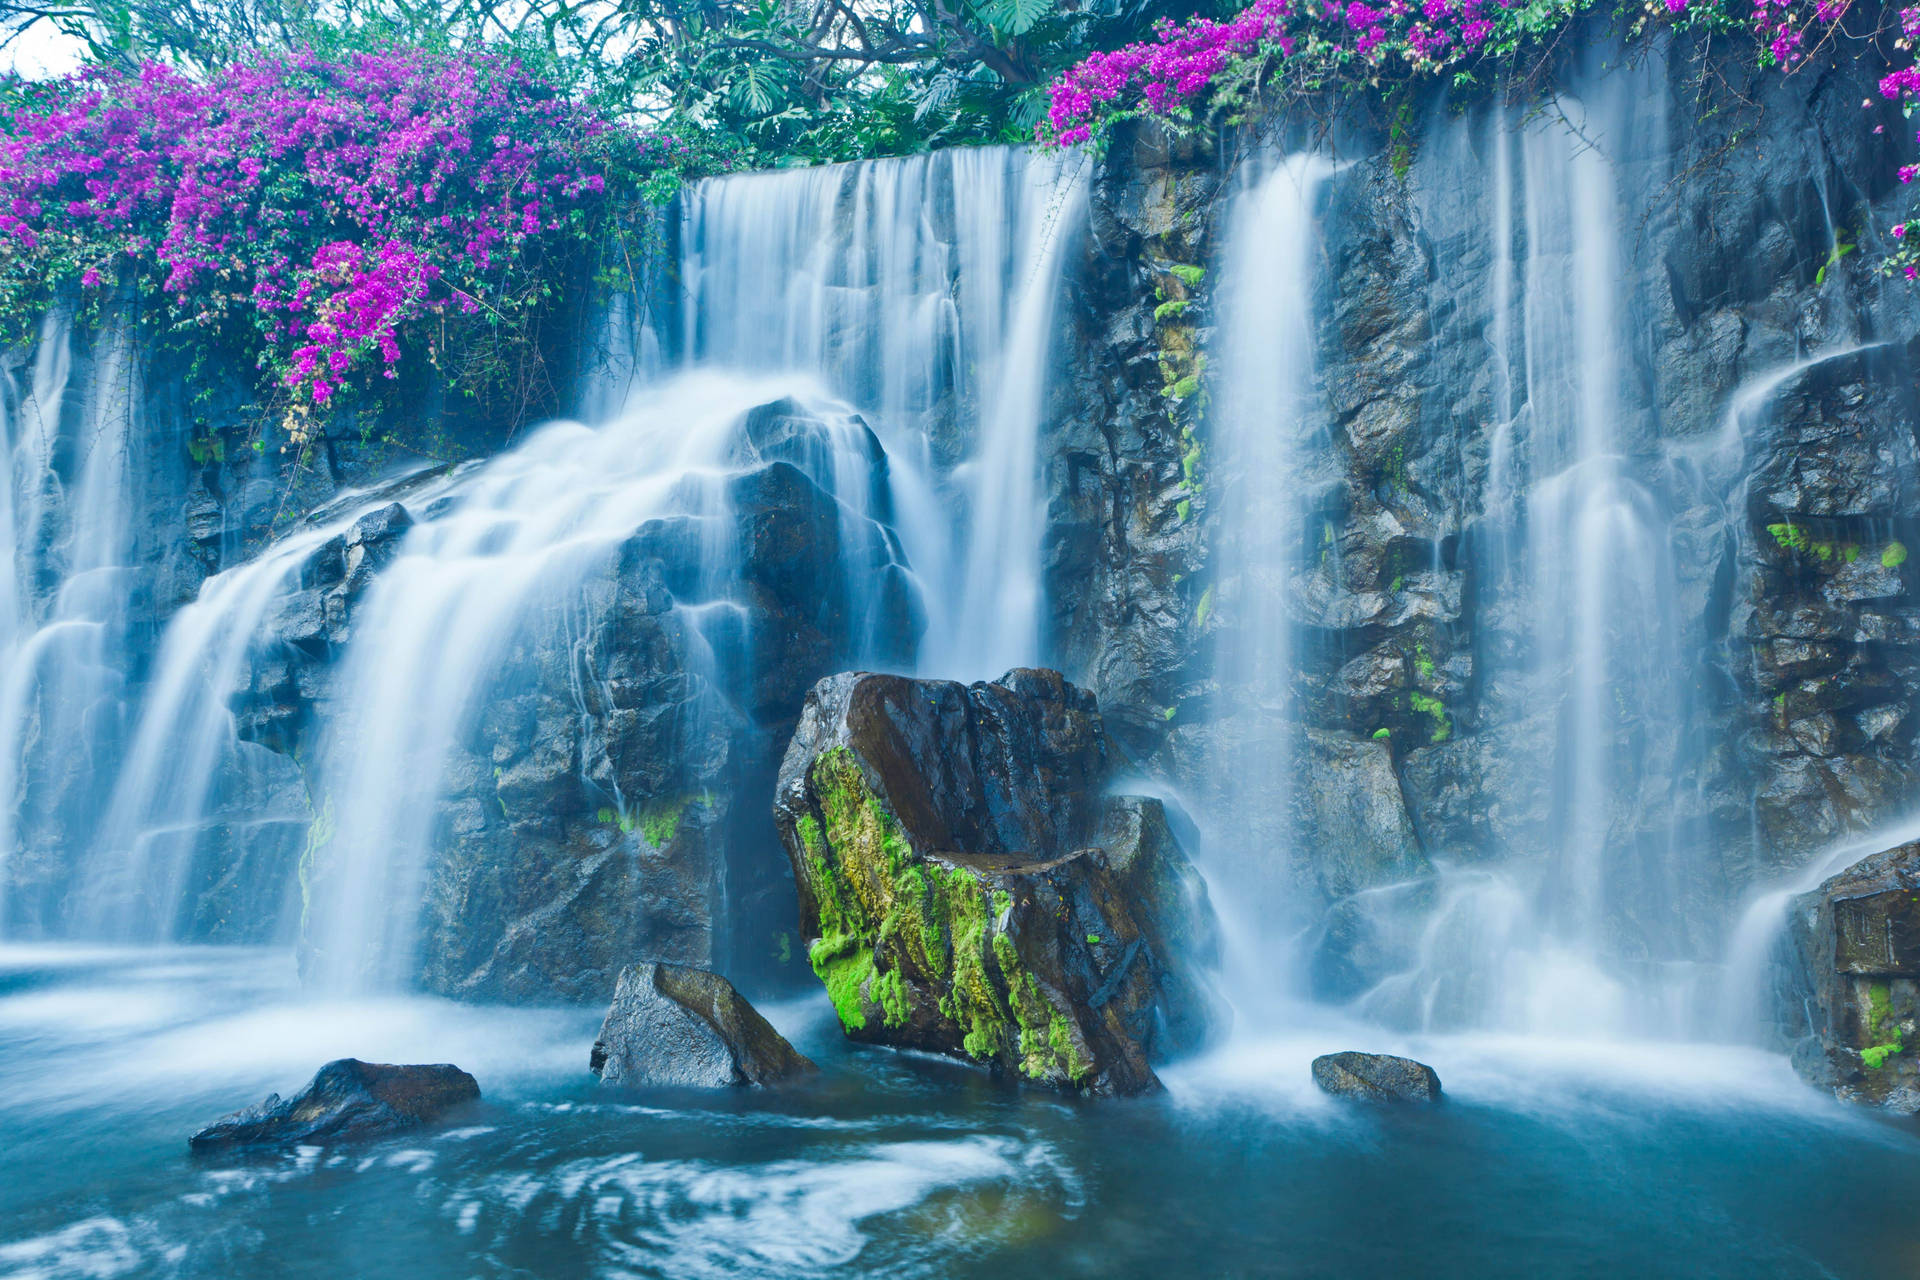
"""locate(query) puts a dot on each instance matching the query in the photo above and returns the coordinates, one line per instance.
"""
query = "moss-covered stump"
(1856, 951)
(967, 886)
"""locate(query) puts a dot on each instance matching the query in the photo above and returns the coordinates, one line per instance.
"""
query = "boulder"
(1854, 952)
(587, 811)
(671, 1025)
(1376, 1077)
(967, 887)
(347, 1101)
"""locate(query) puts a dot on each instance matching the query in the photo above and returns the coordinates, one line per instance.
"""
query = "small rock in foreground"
(347, 1100)
(671, 1025)
(1376, 1077)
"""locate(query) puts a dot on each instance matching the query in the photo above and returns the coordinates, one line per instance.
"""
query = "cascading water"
(516, 688)
(513, 542)
(66, 547)
(189, 789)
(922, 291)
(1267, 414)
(1591, 692)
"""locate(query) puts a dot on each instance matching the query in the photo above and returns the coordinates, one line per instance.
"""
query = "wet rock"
(1356, 820)
(968, 888)
(1854, 981)
(588, 814)
(671, 1025)
(347, 1101)
(1376, 1077)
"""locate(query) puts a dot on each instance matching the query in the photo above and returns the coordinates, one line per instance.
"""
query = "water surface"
(1550, 1159)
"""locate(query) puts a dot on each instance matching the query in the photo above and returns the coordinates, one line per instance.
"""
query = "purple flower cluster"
(338, 199)
(1176, 67)
(1183, 62)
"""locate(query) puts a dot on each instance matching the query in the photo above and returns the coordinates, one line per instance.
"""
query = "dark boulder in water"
(671, 1025)
(347, 1101)
(1376, 1077)
(968, 887)
(1853, 989)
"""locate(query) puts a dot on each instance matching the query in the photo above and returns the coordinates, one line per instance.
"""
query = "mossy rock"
(968, 888)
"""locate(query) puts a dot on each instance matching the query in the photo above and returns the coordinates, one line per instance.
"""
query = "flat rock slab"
(348, 1100)
(671, 1025)
(1376, 1077)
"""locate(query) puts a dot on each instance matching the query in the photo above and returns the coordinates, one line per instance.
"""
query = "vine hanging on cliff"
(331, 217)
(1280, 49)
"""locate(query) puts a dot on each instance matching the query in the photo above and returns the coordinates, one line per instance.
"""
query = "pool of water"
(1549, 1159)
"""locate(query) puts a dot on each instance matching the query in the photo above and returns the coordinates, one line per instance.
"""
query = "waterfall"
(1584, 654)
(908, 307)
(885, 328)
(922, 291)
(1267, 415)
(511, 543)
(185, 768)
(67, 496)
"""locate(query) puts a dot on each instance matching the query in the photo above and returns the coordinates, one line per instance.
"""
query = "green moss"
(1382, 734)
(1880, 1028)
(1791, 537)
(809, 828)
(1184, 387)
(1394, 470)
(1205, 609)
(1400, 142)
(891, 921)
(1094, 939)
(845, 969)
(660, 819)
(1427, 705)
(1166, 310)
(1423, 663)
(1168, 713)
(890, 991)
(1190, 276)
(1183, 508)
(1894, 555)
(614, 818)
(1066, 1051)
(205, 448)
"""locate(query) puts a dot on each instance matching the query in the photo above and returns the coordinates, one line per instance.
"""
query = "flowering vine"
(341, 208)
(1204, 62)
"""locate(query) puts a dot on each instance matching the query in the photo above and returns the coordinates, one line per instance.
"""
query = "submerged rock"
(968, 888)
(1376, 1077)
(671, 1025)
(1855, 956)
(348, 1100)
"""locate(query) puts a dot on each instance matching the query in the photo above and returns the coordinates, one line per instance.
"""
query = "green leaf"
(1015, 17)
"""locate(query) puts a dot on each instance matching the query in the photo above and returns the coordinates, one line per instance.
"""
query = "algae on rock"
(967, 887)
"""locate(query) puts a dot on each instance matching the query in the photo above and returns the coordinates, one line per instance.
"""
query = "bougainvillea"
(1356, 44)
(340, 208)
(1185, 64)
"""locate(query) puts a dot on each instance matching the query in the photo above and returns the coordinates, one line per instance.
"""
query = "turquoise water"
(1549, 1159)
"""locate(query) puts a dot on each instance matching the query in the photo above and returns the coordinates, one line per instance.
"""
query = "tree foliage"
(783, 81)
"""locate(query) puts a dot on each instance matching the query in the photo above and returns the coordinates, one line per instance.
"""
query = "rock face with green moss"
(589, 811)
(967, 886)
(1854, 944)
